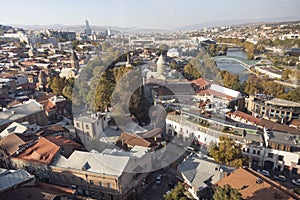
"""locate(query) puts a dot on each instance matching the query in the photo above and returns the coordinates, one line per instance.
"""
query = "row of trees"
(200, 66)
(256, 85)
(287, 43)
(250, 48)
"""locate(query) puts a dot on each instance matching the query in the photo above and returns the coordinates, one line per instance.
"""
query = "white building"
(274, 150)
(91, 124)
(173, 53)
(290, 36)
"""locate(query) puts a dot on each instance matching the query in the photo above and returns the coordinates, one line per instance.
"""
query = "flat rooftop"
(282, 102)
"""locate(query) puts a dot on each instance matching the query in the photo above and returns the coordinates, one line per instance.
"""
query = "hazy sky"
(143, 13)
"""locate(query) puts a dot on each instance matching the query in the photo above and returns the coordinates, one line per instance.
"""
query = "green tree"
(67, 92)
(285, 74)
(227, 193)
(190, 72)
(57, 85)
(178, 193)
(212, 49)
(103, 93)
(227, 152)
(272, 88)
(253, 85)
(228, 80)
(293, 95)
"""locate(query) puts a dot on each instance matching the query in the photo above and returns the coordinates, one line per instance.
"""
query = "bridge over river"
(244, 62)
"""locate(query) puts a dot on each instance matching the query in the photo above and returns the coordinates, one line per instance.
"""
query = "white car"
(158, 179)
(280, 178)
(296, 182)
(264, 172)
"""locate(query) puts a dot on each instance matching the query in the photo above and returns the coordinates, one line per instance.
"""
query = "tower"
(108, 32)
(161, 64)
(88, 29)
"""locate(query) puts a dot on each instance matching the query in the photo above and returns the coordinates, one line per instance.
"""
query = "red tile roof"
(39, 191)
(41, 152)
(246, 116)
(11, 143)
(133, 140)
(245, 181)
(202, 83)
(62, 141)
(214, 93)
(277, 127)
(296, 122)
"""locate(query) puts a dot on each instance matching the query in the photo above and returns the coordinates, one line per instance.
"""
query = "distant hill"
(211, 24)
(5, 28)
(116, 29)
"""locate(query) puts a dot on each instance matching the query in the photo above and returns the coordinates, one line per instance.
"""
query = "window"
(270, 155)
(77, 125)
(87, 127)
(258, 152)
(280, 158)
(198, 136)
(108, 185)
(91, 182)
(254, 151)
(100, 184)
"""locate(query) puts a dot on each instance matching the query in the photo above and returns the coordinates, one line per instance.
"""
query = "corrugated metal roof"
(198, 171)
(13, 177)
(97, 162)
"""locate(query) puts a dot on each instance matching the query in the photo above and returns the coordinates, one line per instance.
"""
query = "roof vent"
(258, 181)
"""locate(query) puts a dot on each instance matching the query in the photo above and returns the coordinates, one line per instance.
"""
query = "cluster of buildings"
(46, 149)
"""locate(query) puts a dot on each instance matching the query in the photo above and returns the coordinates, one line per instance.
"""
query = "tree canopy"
(228, 80)
(178, 193)
(227, 152)
(227, 193)
(257, 85)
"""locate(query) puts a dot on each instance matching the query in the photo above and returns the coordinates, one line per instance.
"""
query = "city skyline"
(133, 13)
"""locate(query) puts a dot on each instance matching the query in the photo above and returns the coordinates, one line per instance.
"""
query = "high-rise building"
(88, 29)
(108, 32)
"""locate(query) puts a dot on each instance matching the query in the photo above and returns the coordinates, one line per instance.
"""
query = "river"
(234, 67)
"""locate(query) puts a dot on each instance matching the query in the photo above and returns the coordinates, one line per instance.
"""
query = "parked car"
(158, 179)
(264, 172)
(280, 178)
(296, 182)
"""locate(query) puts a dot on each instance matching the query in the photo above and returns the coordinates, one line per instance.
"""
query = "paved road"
(154, 191)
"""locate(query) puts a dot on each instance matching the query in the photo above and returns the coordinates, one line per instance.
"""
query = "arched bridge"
(244, 62)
